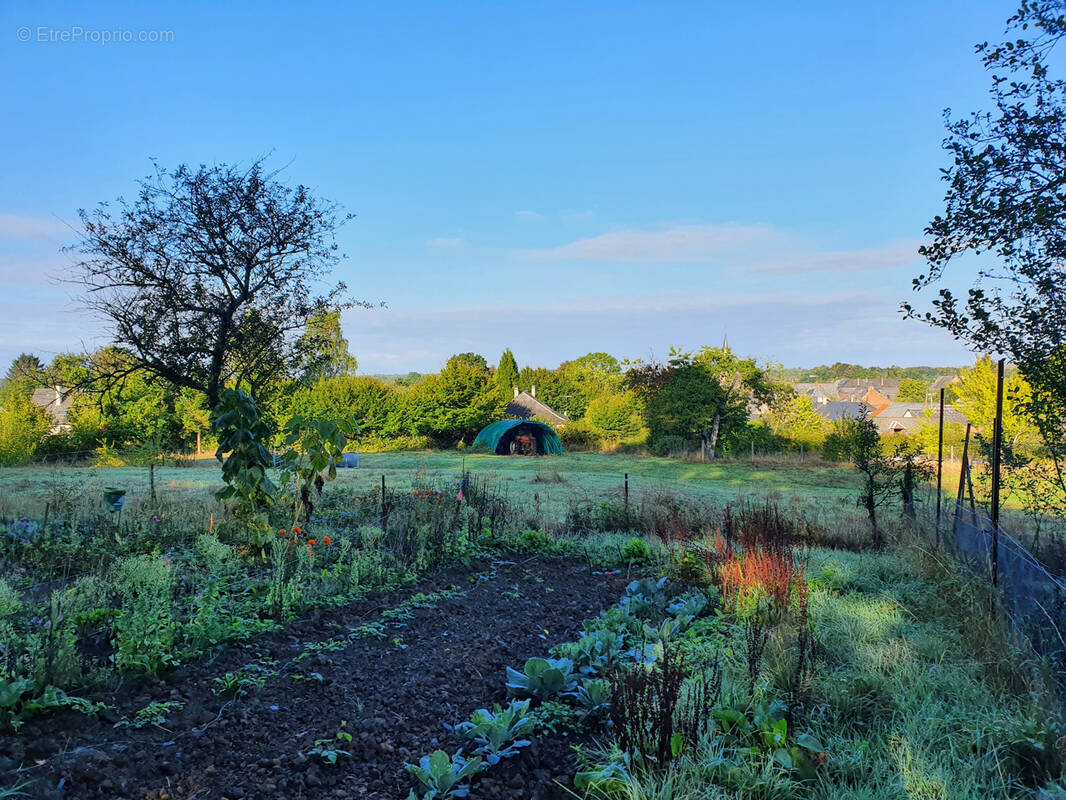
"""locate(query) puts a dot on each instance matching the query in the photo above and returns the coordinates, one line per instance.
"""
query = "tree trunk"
(908, 491)
(706, 450)
(198, 443)
(714, 435)
(869, 500)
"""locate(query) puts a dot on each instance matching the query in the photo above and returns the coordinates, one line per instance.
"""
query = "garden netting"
(1033, 598)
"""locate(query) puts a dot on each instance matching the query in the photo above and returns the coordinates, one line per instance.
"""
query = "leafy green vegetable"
(594, 653)
(541, 678)
(593, 695)
(645, 599)
(442, 776)
(606, 780)
(18, 702)
(497, 732)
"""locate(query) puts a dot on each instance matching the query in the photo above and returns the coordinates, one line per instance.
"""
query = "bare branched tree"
(210, 275)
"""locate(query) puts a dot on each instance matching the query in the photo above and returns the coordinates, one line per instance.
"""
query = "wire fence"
(1033, 598)
(375, 513)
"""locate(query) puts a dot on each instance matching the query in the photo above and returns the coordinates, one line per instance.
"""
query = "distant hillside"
(827, 372)
(407, 379)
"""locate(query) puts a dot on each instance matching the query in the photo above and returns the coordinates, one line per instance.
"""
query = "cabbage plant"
(496, 733)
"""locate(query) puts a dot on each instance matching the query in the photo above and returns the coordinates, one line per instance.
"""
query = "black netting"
(1034, 599)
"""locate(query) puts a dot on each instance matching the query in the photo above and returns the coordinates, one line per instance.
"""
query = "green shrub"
(615, 417)
(636, 551)
(22, 428)
(577, 436)
(145, 628)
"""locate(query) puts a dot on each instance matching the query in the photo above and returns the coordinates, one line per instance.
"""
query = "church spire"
(725, 342)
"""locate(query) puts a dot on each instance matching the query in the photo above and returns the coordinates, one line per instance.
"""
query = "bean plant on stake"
(242, 432)
(314, 447)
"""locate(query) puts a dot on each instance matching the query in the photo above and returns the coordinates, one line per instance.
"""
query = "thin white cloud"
(680, 243)
(35, 269)
(899, 254)
(529, 216)
(446, 242)
(747, 248)
(46, 229)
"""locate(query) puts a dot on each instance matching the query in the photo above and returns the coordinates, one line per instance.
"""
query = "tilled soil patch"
(394, 693)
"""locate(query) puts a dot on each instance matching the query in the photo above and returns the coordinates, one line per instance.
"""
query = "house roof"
(816, 389)
(942, 382)
(870, 383)
(837, 411)
(875, 400)
(905, 417)
(525, 406)
(56, 402)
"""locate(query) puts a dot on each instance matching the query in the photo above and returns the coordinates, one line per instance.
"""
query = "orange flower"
(310, 542)
(310, 552)
(282, 532)
(296, 529)
(327, 541)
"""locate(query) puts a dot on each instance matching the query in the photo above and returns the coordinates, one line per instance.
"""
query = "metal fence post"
(963, 463)
(384, 510)
(997, 442)
(939, 466)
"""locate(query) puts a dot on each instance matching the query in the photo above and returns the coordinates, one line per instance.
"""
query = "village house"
(818, 392)
(525, 405)
(846, 399)
(838, 410)
(855, 389)
(56, 402)
(904, 418)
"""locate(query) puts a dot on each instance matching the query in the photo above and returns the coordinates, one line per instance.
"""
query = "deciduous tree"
(976, 390)
(210, 275)
(742, 381)
(22, 427)
(1005, 209)
(456, 404)
(324, 349)
(615, 417)
(912, 390)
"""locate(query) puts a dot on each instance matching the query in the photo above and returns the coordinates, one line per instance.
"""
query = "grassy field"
(552, 481)
(889, 661)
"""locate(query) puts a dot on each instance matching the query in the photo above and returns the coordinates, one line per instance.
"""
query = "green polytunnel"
(520, 437)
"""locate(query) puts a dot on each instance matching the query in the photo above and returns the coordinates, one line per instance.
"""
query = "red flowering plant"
(763, 580)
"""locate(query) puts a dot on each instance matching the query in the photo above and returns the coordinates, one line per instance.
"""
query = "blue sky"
(552, 177)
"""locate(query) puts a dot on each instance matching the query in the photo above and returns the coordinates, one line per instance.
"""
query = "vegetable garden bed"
(389, 679)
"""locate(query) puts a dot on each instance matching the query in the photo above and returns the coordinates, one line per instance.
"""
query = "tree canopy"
(1005, 210)
(507, 373)
(324, 349)
(700, 396)
(210, 275)
(912, 390)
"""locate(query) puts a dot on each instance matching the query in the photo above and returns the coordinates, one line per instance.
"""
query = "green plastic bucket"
(114, 497)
